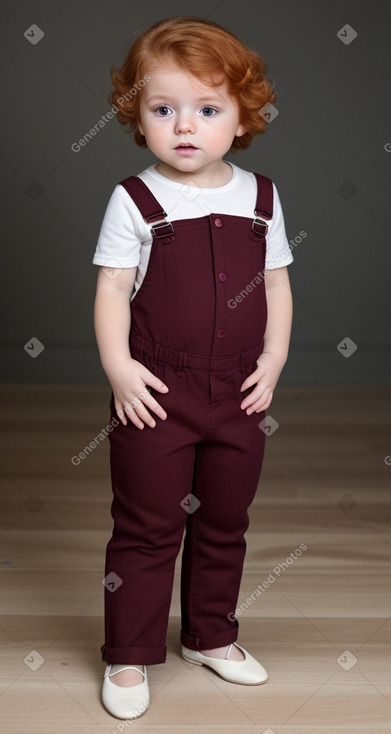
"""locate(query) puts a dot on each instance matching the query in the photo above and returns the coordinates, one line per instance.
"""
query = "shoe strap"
(228, 651)
(110, 672)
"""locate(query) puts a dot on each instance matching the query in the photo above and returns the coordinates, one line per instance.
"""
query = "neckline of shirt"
(151, 171)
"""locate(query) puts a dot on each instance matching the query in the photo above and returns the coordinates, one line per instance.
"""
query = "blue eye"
(209, 109)
(163, 107)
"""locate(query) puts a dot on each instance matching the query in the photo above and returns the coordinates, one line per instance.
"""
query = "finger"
(261, 404)
(153, 404)
(252, 397)
(120, 412)
(144, 398)
(133, 416)
(250, 380)
(141, 412)
(255, 409)
(155, 382)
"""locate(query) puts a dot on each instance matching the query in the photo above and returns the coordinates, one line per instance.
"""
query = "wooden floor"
(322, 629)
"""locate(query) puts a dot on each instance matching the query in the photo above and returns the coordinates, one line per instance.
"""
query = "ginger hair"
(204, 49)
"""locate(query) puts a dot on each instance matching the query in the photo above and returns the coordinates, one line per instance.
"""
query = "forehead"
(167, 75)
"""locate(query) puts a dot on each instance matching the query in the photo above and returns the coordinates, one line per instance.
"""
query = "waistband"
(181, 359)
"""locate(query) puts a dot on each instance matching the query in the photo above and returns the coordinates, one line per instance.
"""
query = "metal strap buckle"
(260, 227)
(167, 228)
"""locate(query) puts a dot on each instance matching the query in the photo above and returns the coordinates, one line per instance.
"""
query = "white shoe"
(248, 671)
(128, 702)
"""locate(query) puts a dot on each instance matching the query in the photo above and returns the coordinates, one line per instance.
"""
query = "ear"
(140, 127)
(240, 130)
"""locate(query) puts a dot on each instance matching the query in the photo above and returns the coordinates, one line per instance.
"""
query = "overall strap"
(263, 206)
(150, 208)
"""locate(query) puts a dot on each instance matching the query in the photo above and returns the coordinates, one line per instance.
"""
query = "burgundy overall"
(198, 470)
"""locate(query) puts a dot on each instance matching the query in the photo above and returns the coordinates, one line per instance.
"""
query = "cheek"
(220, 136)
(159, 134)
(156, 137)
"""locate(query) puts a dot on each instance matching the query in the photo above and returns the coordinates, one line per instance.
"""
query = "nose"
(184, 123)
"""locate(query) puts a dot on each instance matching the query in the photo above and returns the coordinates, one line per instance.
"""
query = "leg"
(226, 479)
(152, 472)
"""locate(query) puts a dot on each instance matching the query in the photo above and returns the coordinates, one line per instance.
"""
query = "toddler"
(192, 318)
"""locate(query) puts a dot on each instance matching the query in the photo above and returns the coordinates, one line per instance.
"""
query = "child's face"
(175, 108)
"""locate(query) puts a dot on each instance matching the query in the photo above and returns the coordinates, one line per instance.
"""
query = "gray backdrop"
(328, 151)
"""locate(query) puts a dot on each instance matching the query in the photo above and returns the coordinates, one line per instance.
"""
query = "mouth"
(183, 146)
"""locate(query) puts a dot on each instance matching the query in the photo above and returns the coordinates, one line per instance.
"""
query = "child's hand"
(265, 379)
(129, 381)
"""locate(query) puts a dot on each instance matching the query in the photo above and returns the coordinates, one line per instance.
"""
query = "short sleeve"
(278, 251)
(118, 241)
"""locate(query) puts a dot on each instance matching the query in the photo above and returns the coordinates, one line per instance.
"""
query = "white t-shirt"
(125, 238)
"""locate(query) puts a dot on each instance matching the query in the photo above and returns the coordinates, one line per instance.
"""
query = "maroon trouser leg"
(211, 448)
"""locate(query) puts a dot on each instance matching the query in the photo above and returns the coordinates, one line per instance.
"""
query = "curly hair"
(202, 48)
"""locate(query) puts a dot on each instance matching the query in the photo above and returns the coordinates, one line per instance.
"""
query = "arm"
(276, 342)
(279, 313)
(128, 377)
(112, 316)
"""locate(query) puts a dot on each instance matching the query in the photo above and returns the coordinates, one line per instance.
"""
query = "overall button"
(221, 333)
(218, 223)
(222, 276)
